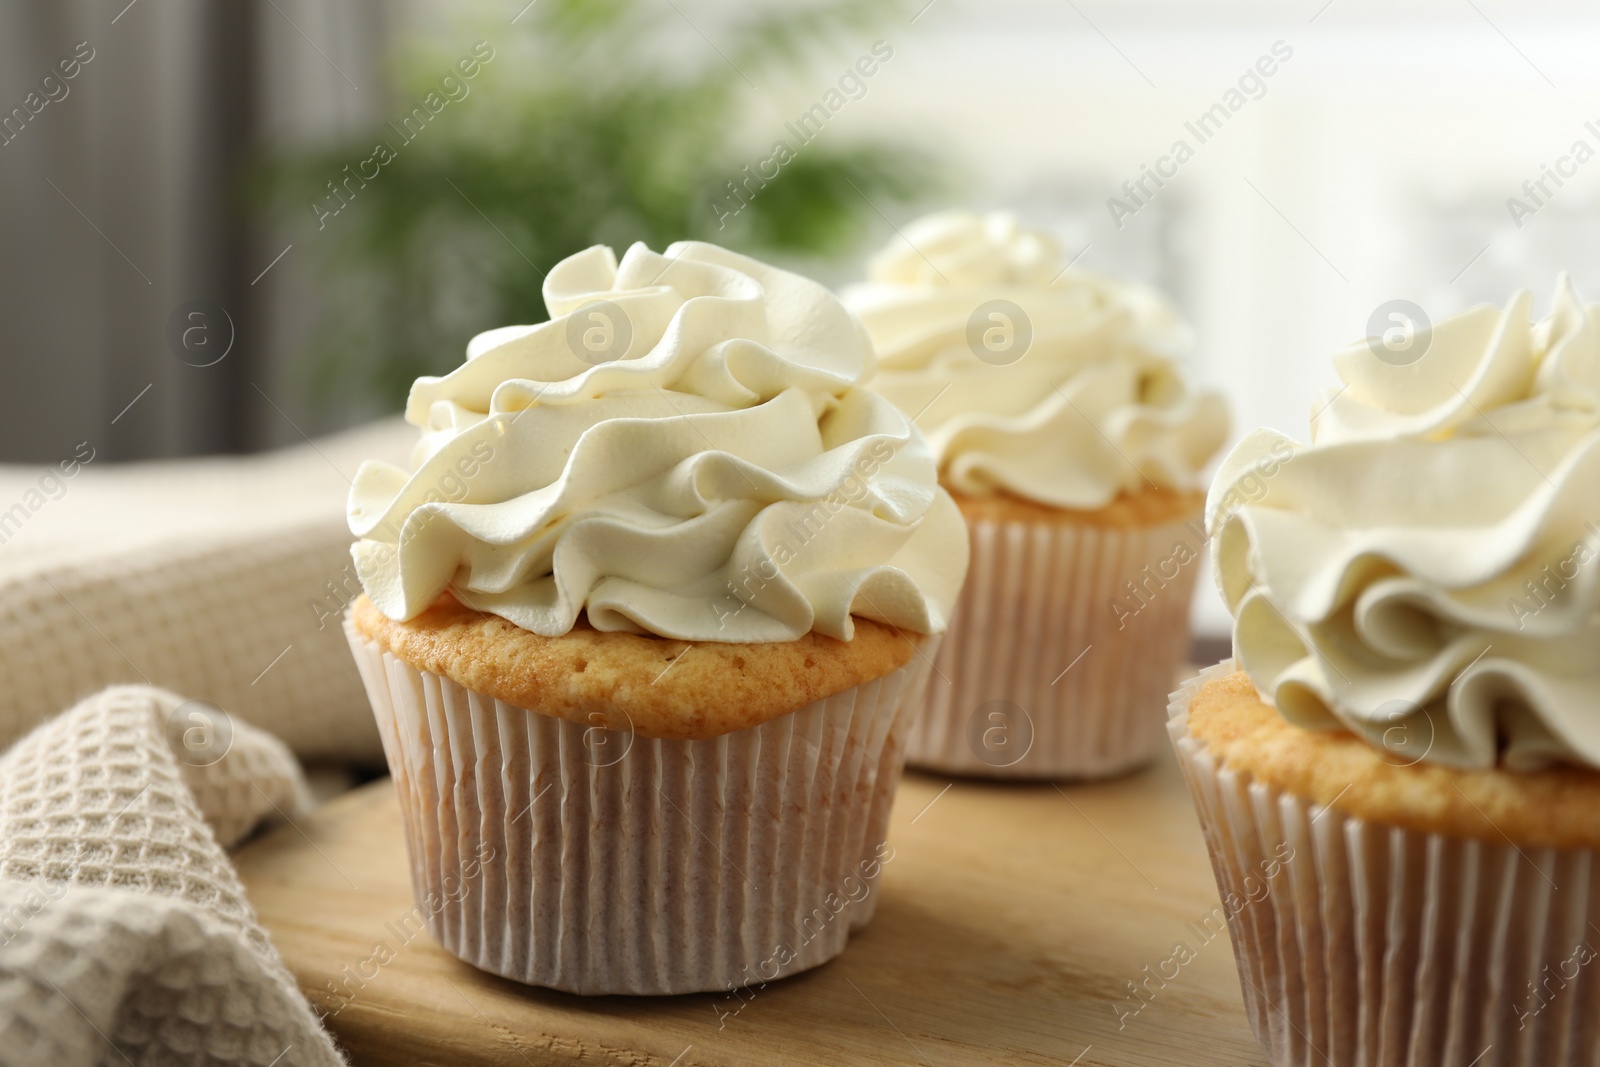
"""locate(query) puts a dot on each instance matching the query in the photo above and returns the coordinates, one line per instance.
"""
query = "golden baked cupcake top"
(1556, 808)
(1029, 376)
(683, 450)
(649, 686)
(1127, 511)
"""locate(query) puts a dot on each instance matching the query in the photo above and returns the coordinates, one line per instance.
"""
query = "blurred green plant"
(586, 128)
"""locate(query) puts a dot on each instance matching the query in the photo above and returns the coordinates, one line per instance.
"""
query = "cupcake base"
(596, 861)
(1362, 944)
(1052, 666)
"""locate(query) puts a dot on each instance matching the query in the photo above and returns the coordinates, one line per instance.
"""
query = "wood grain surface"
(1011, 920)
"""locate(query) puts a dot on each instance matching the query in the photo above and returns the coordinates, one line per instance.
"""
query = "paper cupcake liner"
(593, 861)
(1366, 945)
(1051, 667)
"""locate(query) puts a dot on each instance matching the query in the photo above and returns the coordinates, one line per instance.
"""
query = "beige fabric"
(196, 576)
(125, 936)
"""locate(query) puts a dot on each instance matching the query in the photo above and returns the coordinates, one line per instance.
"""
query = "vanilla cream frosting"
(1046, 382)
(1426, 572)
(684, 449)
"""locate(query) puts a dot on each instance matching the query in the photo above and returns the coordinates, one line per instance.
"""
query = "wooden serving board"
(1010, 921)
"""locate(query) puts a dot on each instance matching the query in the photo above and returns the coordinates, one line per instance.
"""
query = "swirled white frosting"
(1427, 571)
(1091, 407)
(683, 450)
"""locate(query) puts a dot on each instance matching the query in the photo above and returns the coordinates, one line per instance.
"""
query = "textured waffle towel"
(223, 578)
(125, 936)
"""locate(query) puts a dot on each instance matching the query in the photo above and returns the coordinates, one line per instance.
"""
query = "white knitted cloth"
(223, 578)
(125, 936)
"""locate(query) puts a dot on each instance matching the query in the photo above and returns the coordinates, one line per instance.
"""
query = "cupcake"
(1071, 445)
(645, 625)
(1398, 777)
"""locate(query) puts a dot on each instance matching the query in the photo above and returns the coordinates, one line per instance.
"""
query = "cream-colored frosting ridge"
(684, 449)
(1029, 376)
(1426, 572)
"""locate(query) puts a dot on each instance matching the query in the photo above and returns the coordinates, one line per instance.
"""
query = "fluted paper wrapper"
(1378, 946)
(592, 861)
(1051, 667)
